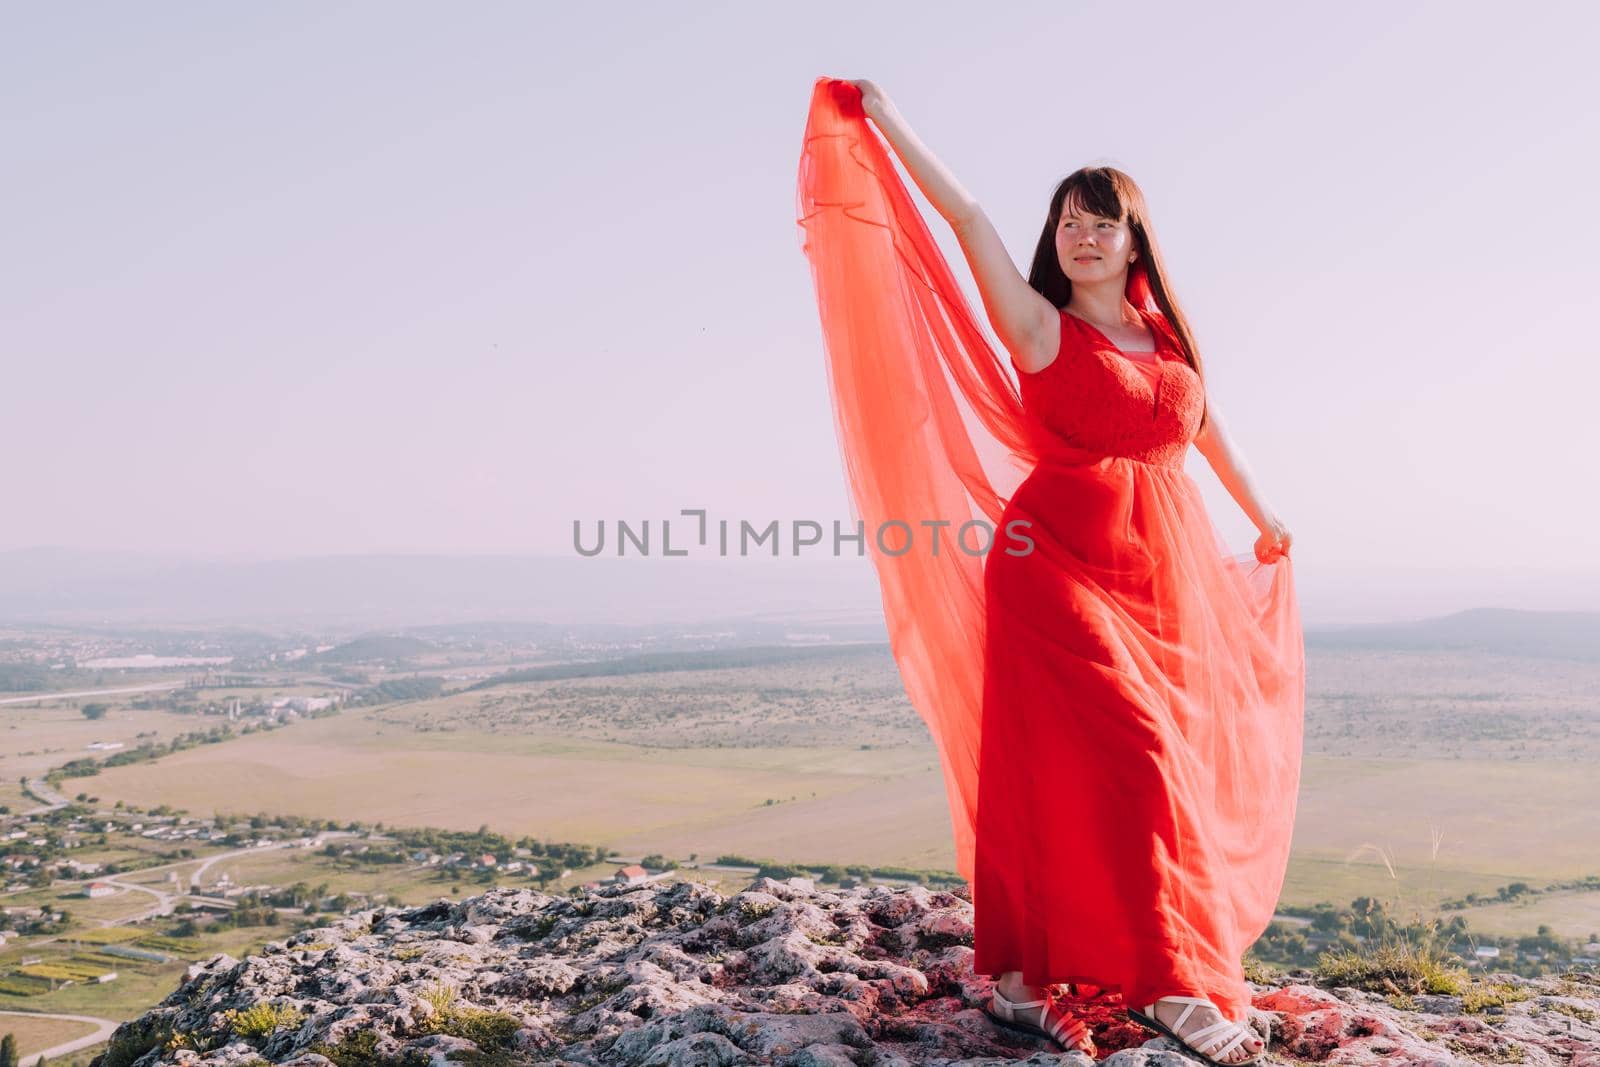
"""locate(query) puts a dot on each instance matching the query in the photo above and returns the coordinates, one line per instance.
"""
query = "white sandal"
(1078, 1036)
(1231, 1033)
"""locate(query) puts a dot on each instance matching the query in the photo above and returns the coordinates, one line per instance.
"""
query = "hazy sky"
(304, 277)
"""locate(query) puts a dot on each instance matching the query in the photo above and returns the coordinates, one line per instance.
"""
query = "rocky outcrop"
(675, 975)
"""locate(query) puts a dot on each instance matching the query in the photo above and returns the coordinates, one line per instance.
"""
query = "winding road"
(164, 905)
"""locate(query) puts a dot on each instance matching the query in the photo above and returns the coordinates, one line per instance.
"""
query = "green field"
(1426, 775)
(139, 984)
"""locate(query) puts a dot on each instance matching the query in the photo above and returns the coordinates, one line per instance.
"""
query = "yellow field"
(35, 1035)
(592, 792)
(1518, 818)
(1570, 914)
(1499, 821)
(12, 796)
(120, 905)
(34, 739)
(687, 762)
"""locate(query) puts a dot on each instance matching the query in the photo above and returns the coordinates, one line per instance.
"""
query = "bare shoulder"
(1042, 343)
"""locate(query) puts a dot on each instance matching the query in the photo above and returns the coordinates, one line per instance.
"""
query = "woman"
(1117, 703)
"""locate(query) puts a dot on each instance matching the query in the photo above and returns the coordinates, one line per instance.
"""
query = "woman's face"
(1092, 247)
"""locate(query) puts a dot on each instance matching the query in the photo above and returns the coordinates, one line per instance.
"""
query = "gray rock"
(1438, 1004)
(672, 974)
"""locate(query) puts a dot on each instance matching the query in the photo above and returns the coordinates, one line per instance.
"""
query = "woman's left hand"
(1274, 541)
(873, 98)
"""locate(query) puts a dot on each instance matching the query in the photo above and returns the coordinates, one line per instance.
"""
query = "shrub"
(263, 1019)
(491, 1031)
(1393, 965)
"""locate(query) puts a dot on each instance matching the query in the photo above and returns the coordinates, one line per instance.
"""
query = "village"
(170, 886)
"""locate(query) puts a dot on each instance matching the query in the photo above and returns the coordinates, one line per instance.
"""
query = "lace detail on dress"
(1096, 399)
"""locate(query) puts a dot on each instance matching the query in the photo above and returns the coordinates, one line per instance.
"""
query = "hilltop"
(672, 973)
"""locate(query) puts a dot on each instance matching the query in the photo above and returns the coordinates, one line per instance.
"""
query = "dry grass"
(35, 1035)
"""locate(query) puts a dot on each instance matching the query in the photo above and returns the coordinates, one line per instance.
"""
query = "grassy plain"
(34, 1035)
(1426, 775)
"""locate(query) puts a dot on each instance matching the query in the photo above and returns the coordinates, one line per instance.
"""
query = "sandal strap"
(1212, 1034)
(1206, 1035)
(1012, 1004)
(1191, 1004)
(1075, 1028)
(1052, 1021)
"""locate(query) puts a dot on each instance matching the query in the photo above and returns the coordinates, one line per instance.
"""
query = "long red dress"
(1117, 700)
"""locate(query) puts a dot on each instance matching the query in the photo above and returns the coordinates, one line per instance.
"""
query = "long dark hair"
(1108, 192)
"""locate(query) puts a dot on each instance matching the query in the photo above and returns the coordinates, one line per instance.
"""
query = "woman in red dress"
(1117, 701)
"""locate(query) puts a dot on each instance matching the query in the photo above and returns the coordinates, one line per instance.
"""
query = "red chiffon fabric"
(1117, 701)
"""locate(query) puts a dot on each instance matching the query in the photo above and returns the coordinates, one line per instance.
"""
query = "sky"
(306, 278)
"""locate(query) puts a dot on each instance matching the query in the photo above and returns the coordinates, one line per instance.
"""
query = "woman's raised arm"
(1026, 323)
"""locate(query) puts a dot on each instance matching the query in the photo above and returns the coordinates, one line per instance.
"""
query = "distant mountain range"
(1503, 631)
(824, 598)
(72, 586)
